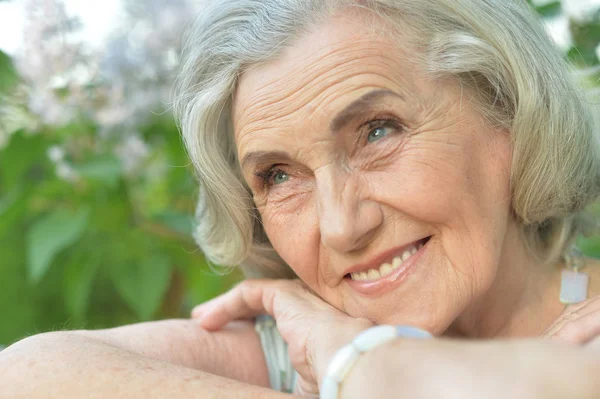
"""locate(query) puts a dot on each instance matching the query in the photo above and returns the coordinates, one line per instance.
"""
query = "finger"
(305, 390)
(202, 308)
(573, 313)
(199, 310)
(590, 302)
(248, 299)
(579, 330)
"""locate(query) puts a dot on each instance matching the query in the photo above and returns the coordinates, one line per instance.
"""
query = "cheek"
(292, 229)
(459, 188)
(458, 179)
(426, 182)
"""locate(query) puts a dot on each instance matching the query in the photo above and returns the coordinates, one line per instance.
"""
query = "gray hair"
(496, 47)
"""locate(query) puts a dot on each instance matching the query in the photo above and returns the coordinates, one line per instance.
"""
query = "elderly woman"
(391, 170)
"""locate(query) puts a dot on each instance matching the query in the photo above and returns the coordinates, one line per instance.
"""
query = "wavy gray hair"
(498, 48)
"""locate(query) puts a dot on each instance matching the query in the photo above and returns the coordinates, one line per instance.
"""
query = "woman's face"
(383, 189)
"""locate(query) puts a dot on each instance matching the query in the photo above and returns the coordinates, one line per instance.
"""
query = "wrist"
(328, 346)
(345, 358)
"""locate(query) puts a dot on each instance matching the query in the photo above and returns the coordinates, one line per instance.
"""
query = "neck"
(522, 301)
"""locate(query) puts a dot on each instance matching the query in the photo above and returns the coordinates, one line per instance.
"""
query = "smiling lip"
(389, 282)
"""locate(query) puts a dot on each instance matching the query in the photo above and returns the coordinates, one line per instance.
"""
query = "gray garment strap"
(281, 373)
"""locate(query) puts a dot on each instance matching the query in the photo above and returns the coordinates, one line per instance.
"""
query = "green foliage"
(103, 247)
(587, 36)
(50, 235)
(143, 282)
(8, 75)
(550, 9)
(105, 169)
(590, 246)
(79, 275)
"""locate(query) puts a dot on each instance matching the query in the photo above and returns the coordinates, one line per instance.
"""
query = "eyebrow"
(342, 119)
(345, 116)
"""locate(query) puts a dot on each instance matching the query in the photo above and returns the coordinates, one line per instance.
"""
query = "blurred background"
(96, 192)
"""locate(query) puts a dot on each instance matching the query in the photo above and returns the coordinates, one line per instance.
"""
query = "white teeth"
(374, 274)
(386, 268)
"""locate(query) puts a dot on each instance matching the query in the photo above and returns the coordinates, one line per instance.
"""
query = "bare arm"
(458, 369)
(233, 352)
(146, 360)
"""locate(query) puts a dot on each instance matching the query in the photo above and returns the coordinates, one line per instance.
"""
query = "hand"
(313, 329)
(578, 324)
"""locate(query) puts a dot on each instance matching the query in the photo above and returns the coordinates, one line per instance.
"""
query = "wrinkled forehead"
(330, 65)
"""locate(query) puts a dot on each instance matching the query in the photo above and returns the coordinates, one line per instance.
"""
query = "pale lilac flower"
(132, 152)
(56, 154)
(581, 10)
(66, 172)
(14, 116)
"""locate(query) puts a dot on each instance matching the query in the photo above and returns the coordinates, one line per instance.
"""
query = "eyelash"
(373, 124)
(265, 175)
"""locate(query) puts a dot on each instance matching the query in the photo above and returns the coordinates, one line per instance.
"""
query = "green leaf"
(143, 284)
(24, 161)
(204, 284)
(16, 306)
(105, 169)
(49, 236)
(78, 282)
(549, 10)
(586, 36)
(8, 75)
(8, 200)
(590, 246)
(181, 222)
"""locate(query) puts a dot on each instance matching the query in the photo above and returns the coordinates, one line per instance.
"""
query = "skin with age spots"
(351, 150)
(353, 155)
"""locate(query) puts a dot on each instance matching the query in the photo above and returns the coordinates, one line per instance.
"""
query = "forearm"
(226, 352)
(70, 365)
(454, 369)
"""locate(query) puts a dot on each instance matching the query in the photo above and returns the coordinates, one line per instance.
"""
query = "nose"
(347, 219)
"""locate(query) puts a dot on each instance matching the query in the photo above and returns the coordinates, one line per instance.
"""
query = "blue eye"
(272, 176)
(378, 133)
(280, 177)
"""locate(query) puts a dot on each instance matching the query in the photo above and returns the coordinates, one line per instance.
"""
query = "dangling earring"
(574, 283)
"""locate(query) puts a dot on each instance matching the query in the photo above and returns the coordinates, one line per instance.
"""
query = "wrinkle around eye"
(383, 152)
(284, 205)
(298, 185)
